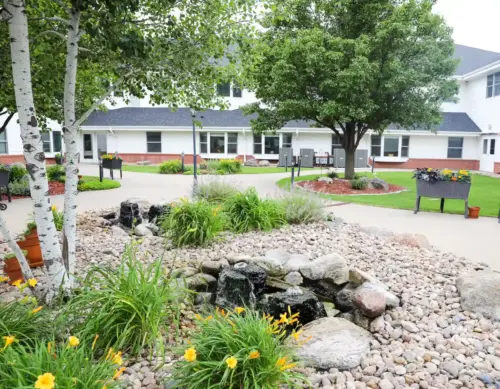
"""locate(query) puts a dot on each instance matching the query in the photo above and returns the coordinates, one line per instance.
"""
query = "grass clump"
(171, 167)
(230, 166)
(49, 366)
(92, 183)
(193, 223)
(214, 191)
(130, 307)
(359, 184)
(238, 350)
(302, 209)
(246, 212)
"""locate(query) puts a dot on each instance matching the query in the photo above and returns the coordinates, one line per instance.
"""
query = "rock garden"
(231, 291)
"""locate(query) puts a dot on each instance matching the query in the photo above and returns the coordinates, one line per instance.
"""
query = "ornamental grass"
(241, 349)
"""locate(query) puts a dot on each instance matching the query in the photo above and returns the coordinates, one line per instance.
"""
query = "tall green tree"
(351, 66)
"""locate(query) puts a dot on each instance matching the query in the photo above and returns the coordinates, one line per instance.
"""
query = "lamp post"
(195, 175)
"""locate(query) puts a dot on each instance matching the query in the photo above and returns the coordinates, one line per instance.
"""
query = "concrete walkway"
(473, 239)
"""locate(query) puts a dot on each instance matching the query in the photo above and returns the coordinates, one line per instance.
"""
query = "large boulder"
(480, 293)
(333, 343)
(234, 289)
(264, 163)
(202, 283)
(331, 267)
(130, 213)
(255, 274)
(378, 183)
(327, 180)
(272, 266)
(299, 300)
(295, 262)
(251, 162)
(157, 212)
(370, 302)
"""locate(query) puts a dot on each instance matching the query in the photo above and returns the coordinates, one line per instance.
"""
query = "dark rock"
(204, 298)
(130, 213)
(255, 274)
(344, 299)
(109, 215)
(202, 283)
(361, 320)
(369, 301)
(324, 290)
(299, 300)
(157, 212)
(234, 289)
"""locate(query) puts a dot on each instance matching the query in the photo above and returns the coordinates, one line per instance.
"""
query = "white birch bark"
(70, 131)
(32, 144)
(25, 268)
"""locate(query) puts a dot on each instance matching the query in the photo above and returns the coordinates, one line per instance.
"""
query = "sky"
(475, 22)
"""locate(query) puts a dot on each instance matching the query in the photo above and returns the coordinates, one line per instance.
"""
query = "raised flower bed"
(111, 162)
(444, 184)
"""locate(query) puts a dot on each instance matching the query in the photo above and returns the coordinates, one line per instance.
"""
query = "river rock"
(295, 262)
(334, 343)
(202, 283)
(370, 302)
(273, 267)
(480, 293)
(330, 267)
(212, 267)
(142, 230)
(234, 289)
(130, 213)
(255, 274)
(294, 278)
(157, 212)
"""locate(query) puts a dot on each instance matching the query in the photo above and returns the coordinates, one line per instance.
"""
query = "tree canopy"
(351, 66)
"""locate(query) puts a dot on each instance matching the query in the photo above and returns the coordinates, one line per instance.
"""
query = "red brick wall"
(413, 163)
(20, 158)
(157, 158)
(496, 168)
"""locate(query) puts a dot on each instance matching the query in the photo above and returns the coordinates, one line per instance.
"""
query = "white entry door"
(88, 147)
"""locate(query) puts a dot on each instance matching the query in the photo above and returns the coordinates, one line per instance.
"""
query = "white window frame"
(455, 148)
(485, 146)
(381, 157)
(263, 143)
(155, 142)
(493, 83)
(44, 142)
(6, 141)
(226, 143)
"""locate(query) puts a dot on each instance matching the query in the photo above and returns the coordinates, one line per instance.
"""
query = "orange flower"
(453, 178)
(254, 355)
(118, 373)
(281, 361)
(36, 310)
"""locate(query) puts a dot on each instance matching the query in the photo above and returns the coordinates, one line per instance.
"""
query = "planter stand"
(111, 164)
(443, 190)
(4, 181)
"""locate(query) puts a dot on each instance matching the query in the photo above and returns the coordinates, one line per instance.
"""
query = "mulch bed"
(343, 187)
(55, 188)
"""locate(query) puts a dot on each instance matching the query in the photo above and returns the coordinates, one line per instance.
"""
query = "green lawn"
(485, 193)
(93, 183)
(244, 169)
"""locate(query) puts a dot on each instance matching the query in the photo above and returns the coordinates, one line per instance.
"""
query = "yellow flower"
(286, 367)
(4, 279)
(32, 282)
(296, 335)
(447, 171)
(231, 362)
(239, 310)
(459, 176)
(254, 355)
(110, 353)
(118, 373)
(45, 381)
(283, 319)
(17, 283)
(281, 361)
(54, 208)
(49, 346)
(117, 358)
(36, 310)
(429, 169)
(198, 317)
(8, 340)
(73, 341)
(208, 318)
(190, 354)
(95, 341)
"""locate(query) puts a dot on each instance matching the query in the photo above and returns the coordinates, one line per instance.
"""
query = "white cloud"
(475, 22)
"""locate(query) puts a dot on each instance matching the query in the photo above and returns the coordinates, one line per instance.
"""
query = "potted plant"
(31, 243)
(112, 161)
(12, 267)
(59, 158)
(4, 175)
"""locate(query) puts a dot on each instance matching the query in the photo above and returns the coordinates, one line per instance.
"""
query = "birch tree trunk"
(70, 130)
(25, 268)
(32, 144)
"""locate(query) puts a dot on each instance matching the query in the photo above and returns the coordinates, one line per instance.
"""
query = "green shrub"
(60, 366)
(20, 187)
(300, 208)
(246, 212)
(56, 173)
(93, 183)
(17, 172)
(171, 167)
(221, 172)
(359, 184)
(214, 191)
(25, 321)
(213, 165)
(230, 166)
(193, 223)
(129, 307)
(238, 351)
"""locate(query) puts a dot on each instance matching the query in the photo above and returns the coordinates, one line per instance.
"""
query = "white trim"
(481, 71)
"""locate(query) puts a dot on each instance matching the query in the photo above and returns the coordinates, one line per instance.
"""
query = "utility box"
(360, 158)
(286, 157)
(307, 158)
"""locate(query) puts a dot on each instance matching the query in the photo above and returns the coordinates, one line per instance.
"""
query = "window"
(336, 143)
(287, 140)
(56, 141)
(232, 143)
(203, 142)
(493, 85)
(224, 89)
(455, 146)
(492, 147)
(237, 92)
(391, 146)
(217, 144)
(376, 145)
(257, 144)
(272, 144)
(3, 143)
(485, 146)
(46, 142)
(405, 146)
(154, 142)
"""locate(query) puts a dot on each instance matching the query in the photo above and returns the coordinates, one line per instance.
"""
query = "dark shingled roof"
(472, 59)
(165, 117)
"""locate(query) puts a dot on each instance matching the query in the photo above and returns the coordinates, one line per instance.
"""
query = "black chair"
(4, 181)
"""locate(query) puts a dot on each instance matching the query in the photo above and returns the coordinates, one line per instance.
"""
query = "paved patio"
(473, 239)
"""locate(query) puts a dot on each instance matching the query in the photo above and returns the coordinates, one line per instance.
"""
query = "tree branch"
(50, 32)
(6, 122)
(63, 5)
(80, 48)
(52, 19)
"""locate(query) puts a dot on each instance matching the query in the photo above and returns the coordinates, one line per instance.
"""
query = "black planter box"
(443, 190)
(114, 164)
(4, 178)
